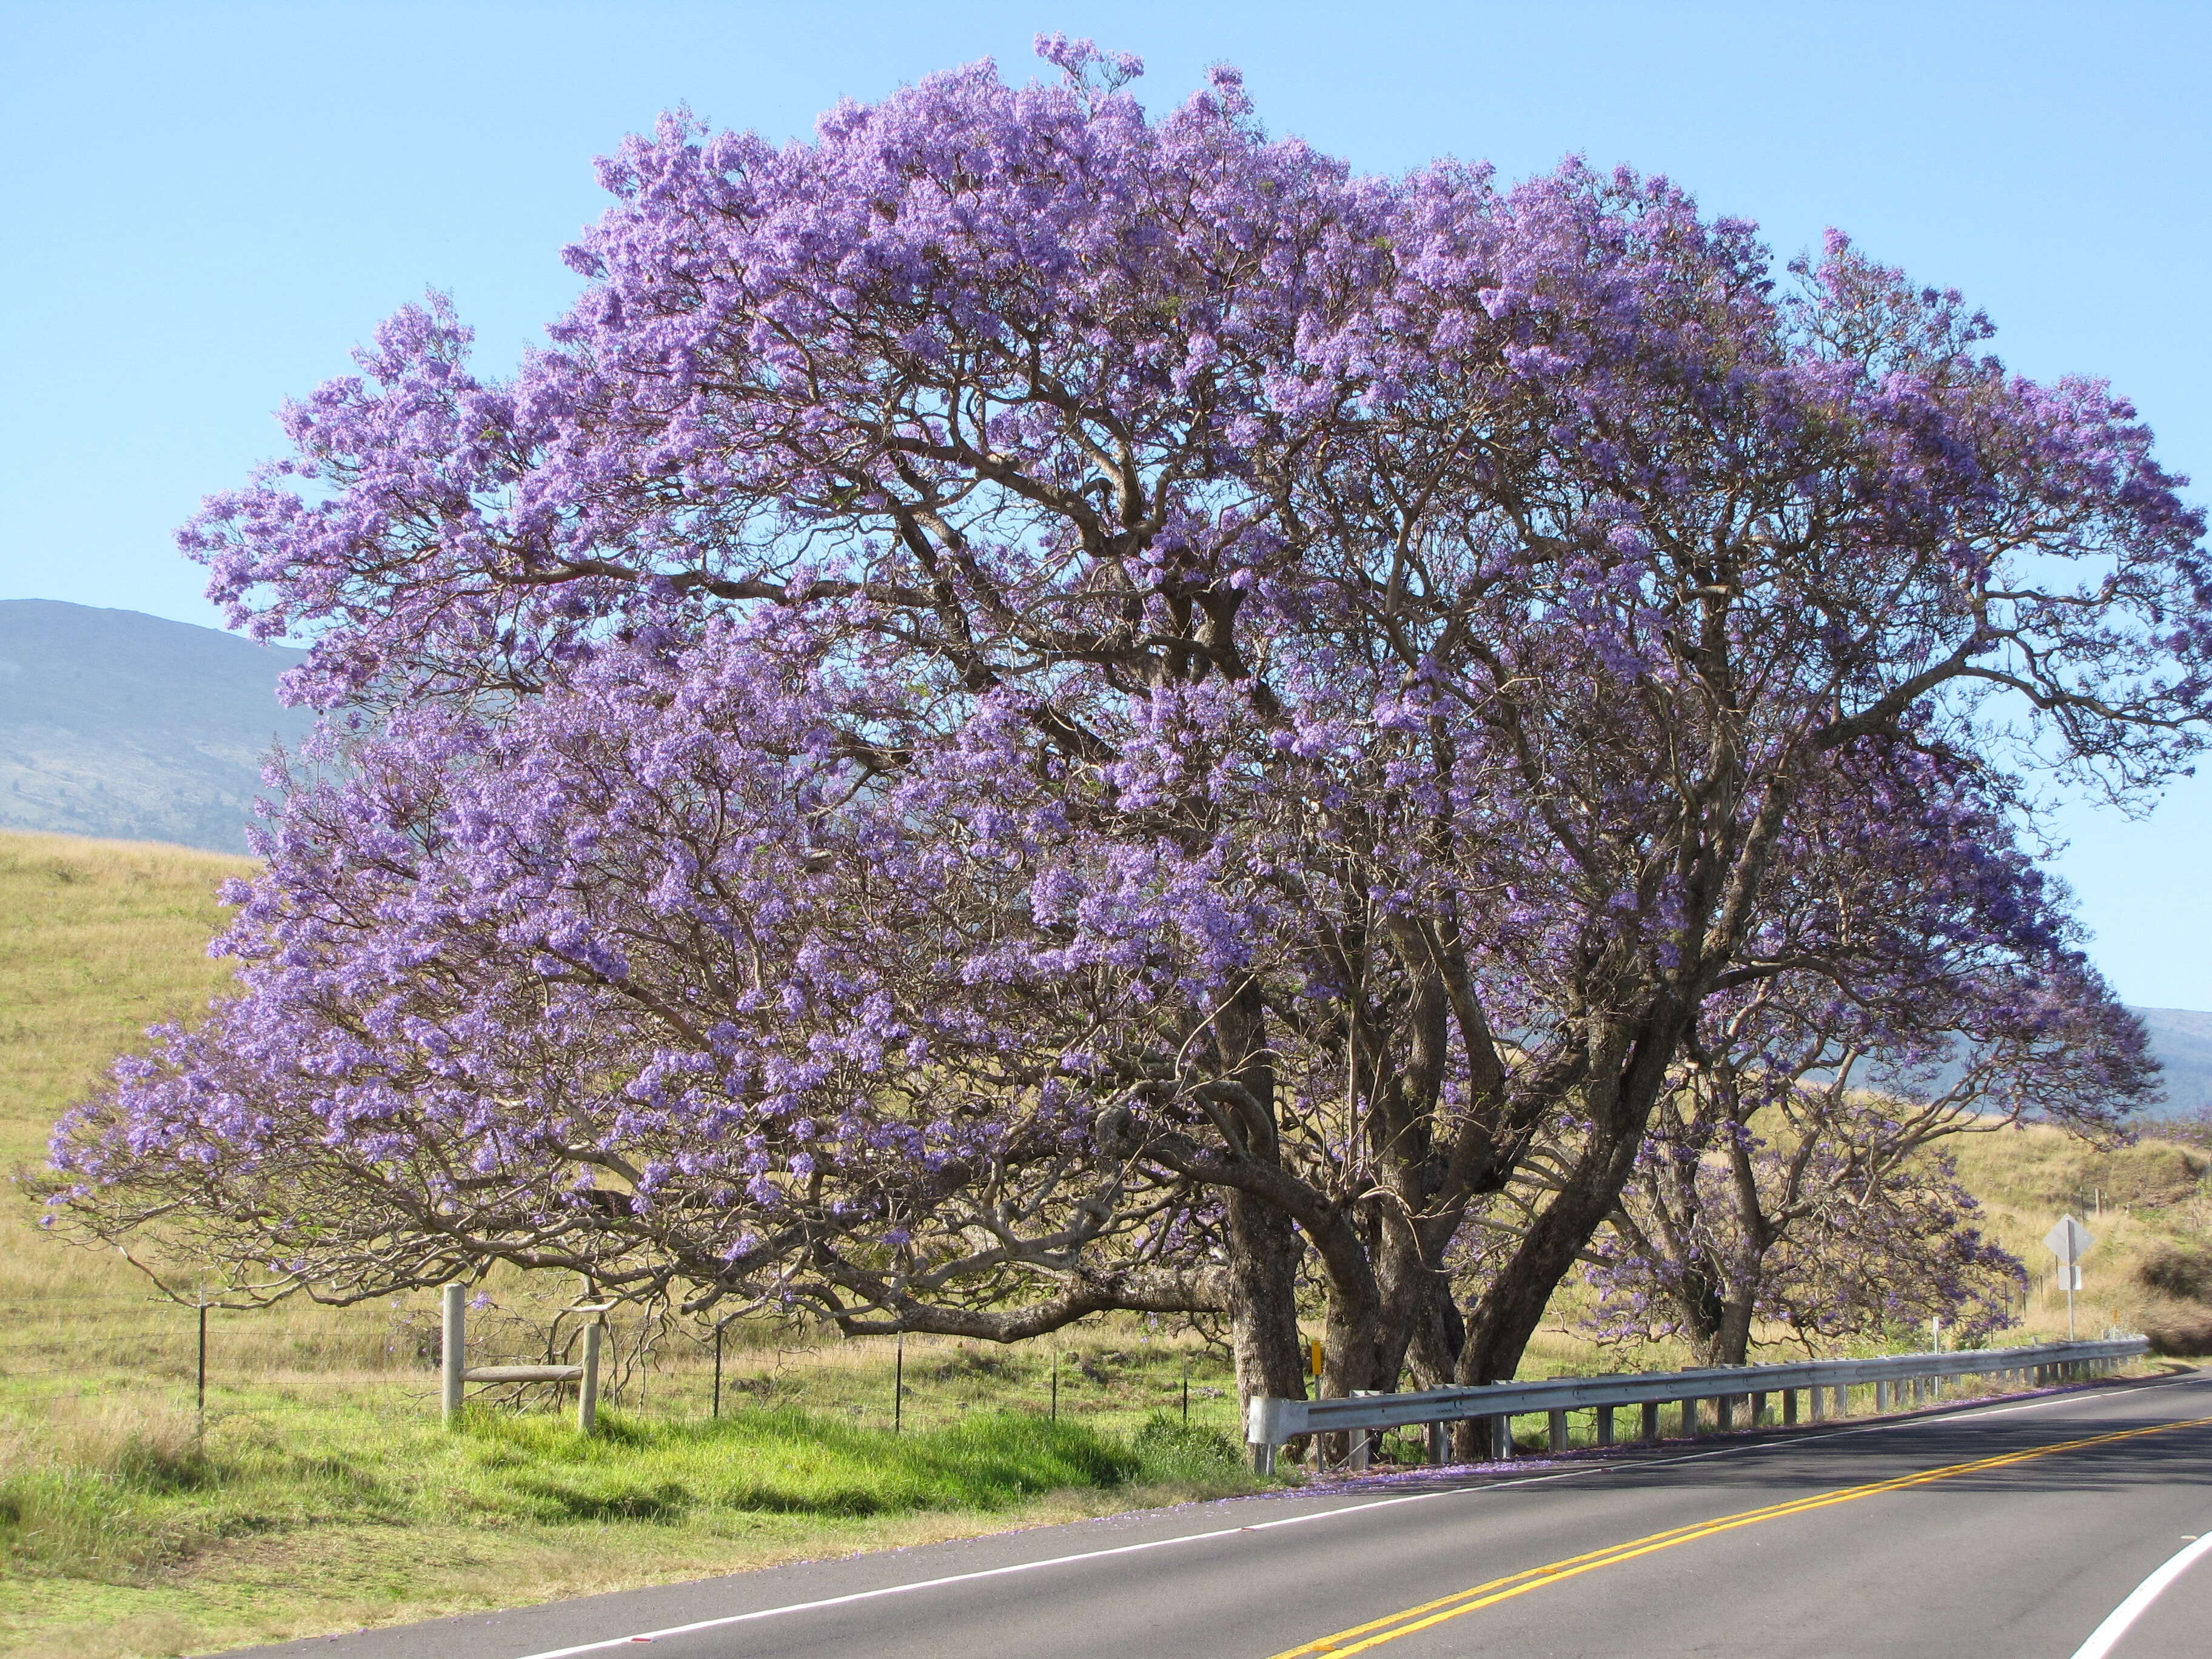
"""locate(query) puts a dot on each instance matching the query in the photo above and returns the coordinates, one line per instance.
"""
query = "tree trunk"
(1439, 1333)
(1507, 1314)
(1263, 1311)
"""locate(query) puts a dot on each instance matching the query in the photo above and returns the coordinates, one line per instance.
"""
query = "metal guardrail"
(1272, 1422)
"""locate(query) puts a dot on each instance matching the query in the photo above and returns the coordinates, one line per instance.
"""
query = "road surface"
(2052, 1525)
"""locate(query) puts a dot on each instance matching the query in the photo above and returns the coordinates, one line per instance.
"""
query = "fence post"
(718, 1367)
(587, 1390)
(1557, 1424)
(201, 1432)
(454, 1351)
(1650, 1421)
(1789, 1408)
(1605, 1425)
(1689, 1419)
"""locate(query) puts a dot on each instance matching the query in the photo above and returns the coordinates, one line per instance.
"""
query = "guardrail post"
(1437, 1435)
(1557, 1426)
(1264, 1430)
(1723, 1413)
(1758, 1409)
(1817, 1397)
(1689, 1419)
(1501, 1438)
(1789, 1408)
(1649, 1425)
(1605, 1425)
(1880, 1398)
(453, 1349)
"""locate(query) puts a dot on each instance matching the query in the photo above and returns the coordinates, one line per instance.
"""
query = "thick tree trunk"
(1732, 1341)
(1507, 1314)
(1263, 1311)
(1439, 1333)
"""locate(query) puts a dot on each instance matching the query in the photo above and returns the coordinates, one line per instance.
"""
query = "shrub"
(2180, 1272)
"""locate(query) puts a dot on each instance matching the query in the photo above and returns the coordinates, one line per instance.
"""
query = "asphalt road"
(2014, 1529)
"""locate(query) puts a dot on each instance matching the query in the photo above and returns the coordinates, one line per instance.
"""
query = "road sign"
(2070, 1241)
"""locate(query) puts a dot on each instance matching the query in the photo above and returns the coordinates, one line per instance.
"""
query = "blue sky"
(209, 203)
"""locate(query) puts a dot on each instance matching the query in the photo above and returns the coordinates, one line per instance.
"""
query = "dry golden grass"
(99, 939)
(2138, 1202)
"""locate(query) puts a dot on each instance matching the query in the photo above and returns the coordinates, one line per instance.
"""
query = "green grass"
(118, 1495)
(124, 1530)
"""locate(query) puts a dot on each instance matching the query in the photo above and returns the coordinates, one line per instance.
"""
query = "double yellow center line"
(1373, 1634)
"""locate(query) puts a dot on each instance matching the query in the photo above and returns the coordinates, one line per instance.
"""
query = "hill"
(117, 724)
(2182, 1040)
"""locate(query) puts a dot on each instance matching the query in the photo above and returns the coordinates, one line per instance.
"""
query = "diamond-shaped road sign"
(2070, 1241)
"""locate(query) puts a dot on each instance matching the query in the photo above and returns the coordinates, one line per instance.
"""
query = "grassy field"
(321, 1495)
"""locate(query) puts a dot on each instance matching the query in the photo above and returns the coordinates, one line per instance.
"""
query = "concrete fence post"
(587, 1390)
(453, 1349)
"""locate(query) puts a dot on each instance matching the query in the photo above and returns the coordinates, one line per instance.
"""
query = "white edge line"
(2089, 1651)
(2103, 1639)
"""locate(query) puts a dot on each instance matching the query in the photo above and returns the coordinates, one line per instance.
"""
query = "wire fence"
(1111, 1375)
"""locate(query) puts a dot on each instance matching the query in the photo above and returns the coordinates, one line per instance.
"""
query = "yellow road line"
(1375, 1631)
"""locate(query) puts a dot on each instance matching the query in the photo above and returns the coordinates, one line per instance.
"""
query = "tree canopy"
(1031, 708)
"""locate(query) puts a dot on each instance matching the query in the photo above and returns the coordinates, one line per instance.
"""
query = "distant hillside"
(120, 725)
(2182, 1040)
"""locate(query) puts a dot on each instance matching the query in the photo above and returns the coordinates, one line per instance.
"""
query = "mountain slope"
(117, 724)
(2182, 1040)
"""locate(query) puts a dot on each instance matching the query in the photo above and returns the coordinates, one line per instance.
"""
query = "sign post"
(2070, 1241)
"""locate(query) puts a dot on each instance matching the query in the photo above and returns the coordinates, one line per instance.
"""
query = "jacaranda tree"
(1794, 1175)
(1030, 709)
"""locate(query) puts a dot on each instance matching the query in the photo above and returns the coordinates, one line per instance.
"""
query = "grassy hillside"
(2149, 1206)
(322, 1496)
(98, 940)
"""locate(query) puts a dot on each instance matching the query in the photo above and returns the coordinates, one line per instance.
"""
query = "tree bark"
(1263, 1311)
